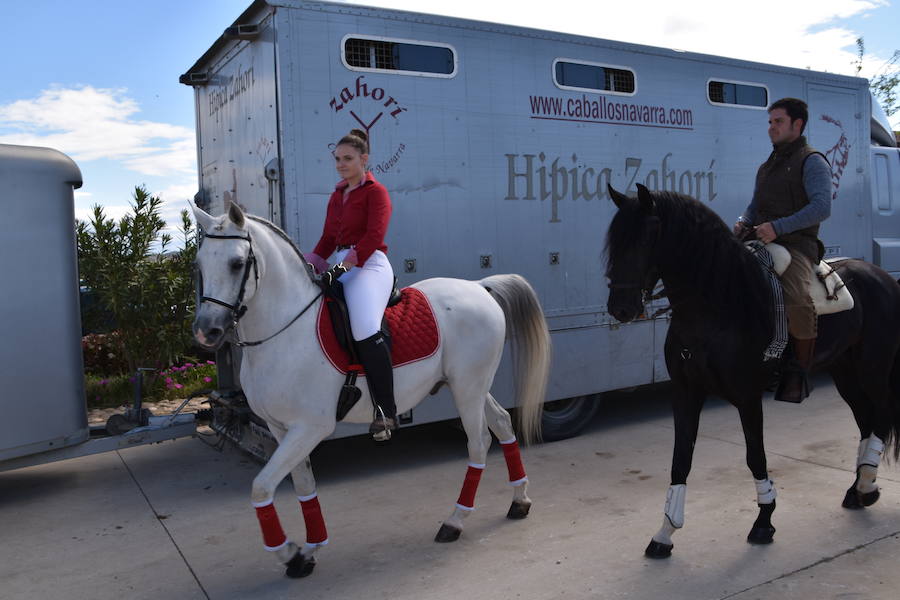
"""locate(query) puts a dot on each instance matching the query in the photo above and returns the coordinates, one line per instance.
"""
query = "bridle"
(238, 308)
(646, 287)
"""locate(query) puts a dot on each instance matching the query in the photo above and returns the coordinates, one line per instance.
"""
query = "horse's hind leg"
(751, 414)
(472, 415)
(291, 456)
(499, 422)
(864, 492)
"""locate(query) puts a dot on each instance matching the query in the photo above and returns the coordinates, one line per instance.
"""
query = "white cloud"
(88, 123)
(112, 211)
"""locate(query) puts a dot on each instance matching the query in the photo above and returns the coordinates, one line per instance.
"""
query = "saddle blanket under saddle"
(828, 292)
(414, 331)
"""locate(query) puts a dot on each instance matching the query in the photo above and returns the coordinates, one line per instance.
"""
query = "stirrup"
(382, 426)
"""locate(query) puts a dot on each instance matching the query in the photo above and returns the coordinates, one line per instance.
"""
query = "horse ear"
(236, 215)
(618, 198)
(204, 220)
(647, 203)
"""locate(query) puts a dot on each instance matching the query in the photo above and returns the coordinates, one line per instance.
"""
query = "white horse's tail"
(530, 340)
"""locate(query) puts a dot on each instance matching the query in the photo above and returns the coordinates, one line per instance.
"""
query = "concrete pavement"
(174, 520)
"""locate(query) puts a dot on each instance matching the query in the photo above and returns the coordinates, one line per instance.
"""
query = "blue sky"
(98, 80)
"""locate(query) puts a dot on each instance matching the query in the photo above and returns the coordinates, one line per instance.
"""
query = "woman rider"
(355, 225)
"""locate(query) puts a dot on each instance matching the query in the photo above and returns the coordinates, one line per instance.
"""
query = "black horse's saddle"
(828, 291)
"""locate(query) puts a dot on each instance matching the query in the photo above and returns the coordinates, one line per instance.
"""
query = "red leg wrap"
(470, 486)
(315, 522)
(513, 462)
(273, 535)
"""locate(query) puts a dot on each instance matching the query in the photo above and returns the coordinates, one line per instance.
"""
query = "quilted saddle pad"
(414, 331)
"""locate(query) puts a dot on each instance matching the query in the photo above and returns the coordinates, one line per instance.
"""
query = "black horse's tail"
(893, 444)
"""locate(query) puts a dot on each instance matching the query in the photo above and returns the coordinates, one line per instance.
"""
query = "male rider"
(791, 197)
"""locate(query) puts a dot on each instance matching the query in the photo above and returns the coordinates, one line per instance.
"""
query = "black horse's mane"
(697, 250)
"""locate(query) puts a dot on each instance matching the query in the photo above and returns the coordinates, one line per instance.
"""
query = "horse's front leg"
(751, 414)
(686, 411)
(291, 456)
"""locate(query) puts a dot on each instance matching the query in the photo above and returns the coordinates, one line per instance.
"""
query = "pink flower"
(178, 386)
(188, 364)
(210, 362)
(207, 379)
(168, 380)
(103, 382)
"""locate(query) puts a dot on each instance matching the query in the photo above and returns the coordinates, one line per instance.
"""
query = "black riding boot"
(794, 386)
(375, 356)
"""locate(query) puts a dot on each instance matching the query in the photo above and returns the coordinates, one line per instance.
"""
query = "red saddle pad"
(414, 331)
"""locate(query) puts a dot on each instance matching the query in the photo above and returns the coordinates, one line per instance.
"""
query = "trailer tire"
(563, 419)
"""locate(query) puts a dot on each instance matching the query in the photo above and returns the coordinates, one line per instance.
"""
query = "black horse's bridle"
(238, 308)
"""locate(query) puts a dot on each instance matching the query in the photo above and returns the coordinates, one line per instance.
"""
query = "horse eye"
(236, 264)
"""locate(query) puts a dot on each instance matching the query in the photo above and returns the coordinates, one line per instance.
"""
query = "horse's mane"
(697, 250)
(286, 238)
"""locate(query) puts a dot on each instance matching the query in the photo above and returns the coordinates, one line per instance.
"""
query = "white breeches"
(367, 288)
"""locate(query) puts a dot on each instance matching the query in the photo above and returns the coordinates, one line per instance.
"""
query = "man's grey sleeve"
(817, 183)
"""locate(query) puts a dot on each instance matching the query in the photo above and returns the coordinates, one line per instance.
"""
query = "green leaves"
(886, 80)
(142, 289)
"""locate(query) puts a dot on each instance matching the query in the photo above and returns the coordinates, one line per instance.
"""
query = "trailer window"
(593, 77)
(737, 94)
(380, 54)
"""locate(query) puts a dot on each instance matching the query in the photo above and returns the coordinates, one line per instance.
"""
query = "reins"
(238, 309)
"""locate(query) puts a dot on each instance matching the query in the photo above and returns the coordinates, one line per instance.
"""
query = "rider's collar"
(790, 147)
(343, 183)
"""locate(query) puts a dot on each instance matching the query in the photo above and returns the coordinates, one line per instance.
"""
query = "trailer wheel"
(566, 418)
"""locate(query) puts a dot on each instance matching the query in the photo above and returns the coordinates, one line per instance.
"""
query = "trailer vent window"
(739, 94)
(399, 56)
(594, 77)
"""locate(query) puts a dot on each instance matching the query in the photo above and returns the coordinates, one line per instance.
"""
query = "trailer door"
(836, 129)
(886, 208)
(238, 129)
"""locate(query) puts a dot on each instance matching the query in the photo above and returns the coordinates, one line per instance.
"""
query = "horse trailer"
(497, 144)
(43, 401)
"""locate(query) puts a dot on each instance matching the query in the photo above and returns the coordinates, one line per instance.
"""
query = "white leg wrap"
(675, 505)
(765, 491)
(870, 451)
(868, 458)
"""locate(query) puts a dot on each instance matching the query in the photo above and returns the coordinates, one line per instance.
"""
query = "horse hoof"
(851, 499)
(870, 498)
(518, 510)
(299, 566)
(447, 534)
(761, 535)
(658, 550)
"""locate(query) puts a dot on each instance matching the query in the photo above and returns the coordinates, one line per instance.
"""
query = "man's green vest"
(780, 193)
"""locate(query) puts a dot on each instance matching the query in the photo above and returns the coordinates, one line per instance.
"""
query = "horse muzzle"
(625, 307)
(209, 334)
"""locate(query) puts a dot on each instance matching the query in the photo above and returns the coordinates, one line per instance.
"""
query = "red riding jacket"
(361, 221)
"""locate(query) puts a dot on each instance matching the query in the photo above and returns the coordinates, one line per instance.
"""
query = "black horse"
(722, 322)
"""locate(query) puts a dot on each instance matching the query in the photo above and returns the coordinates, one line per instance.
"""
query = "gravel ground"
(98, 416)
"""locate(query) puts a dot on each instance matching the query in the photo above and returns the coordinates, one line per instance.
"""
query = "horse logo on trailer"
(385, 105)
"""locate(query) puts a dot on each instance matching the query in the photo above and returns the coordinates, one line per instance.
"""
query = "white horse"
(254, 279)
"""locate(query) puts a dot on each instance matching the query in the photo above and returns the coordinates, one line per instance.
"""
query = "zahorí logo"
(369, 106)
